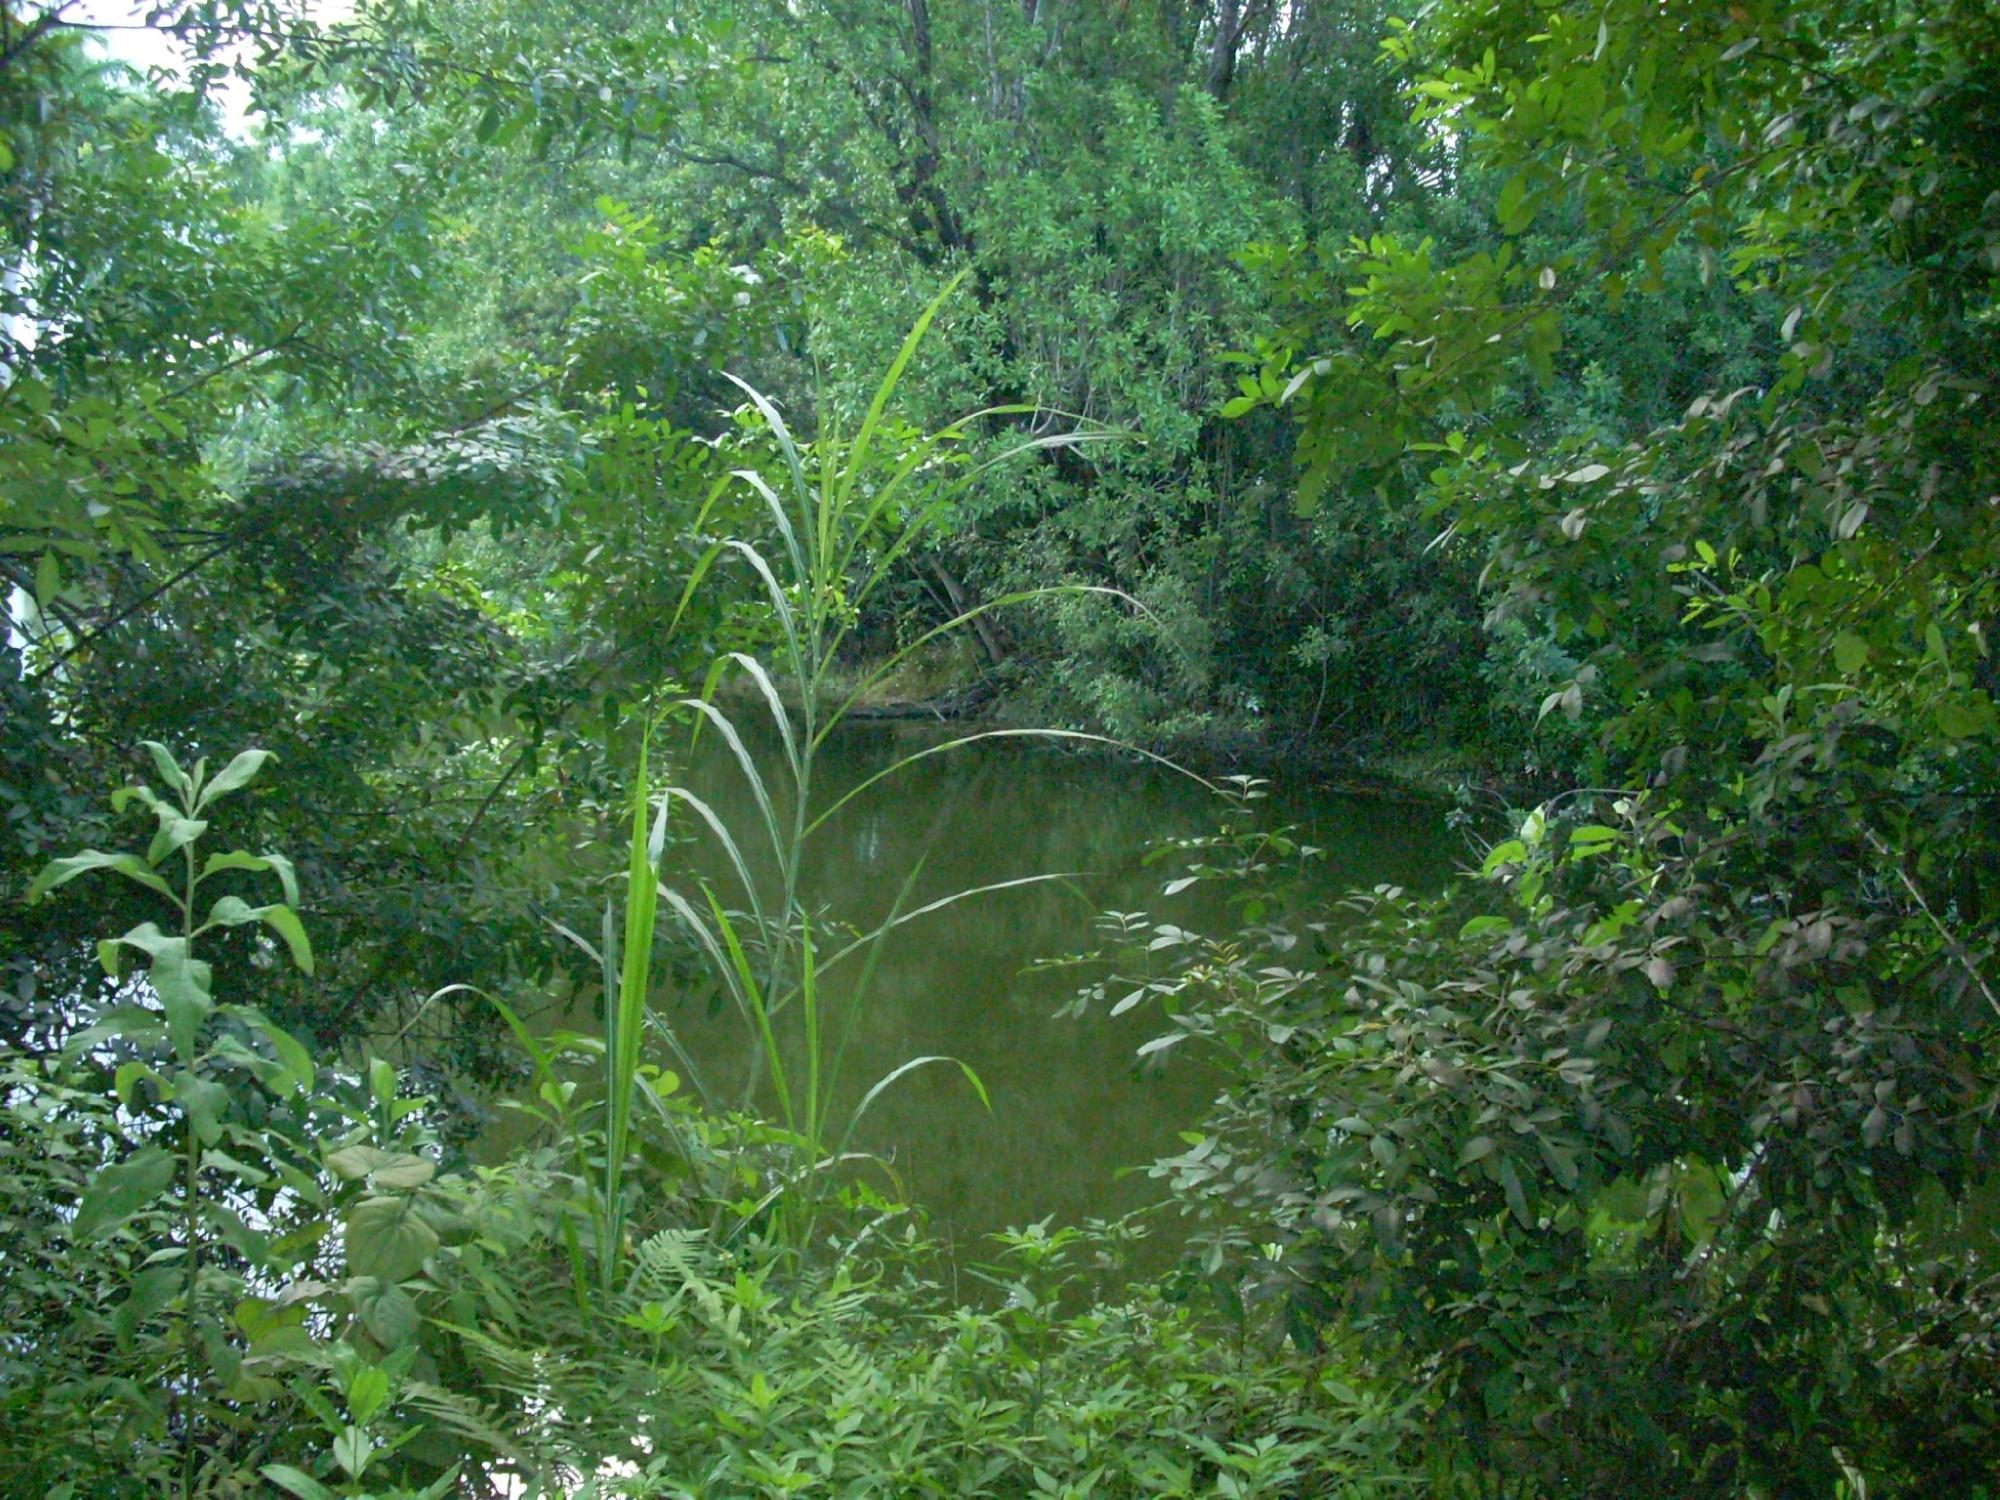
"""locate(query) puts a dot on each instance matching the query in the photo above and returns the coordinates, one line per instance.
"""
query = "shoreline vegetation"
(937, 695)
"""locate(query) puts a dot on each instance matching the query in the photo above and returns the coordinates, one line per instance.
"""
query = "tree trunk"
(1222, 55)
(991, 639)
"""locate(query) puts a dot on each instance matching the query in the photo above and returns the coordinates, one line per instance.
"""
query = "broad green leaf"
(296, 1070)
(297, 1482)
(237, 859)
(152, 1289)
(384, 1169)
(118, 1192)
(233, 911)
(1699, 1191)
(1959, 722)
(169, 768)
(1516, 206)
(352, 1450)
(63, 871)
(387, 1238)
(1592, 838)
(181, 983)
(1517, 1199)
(405, 1172)
(236, 774)
(204, 1100)
(128, 1074)
(367, 1393)
(1623, 1201)
(175, 834)
(385, 1310)
(125, 796)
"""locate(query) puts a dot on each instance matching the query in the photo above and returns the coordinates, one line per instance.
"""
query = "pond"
(1073, 1108)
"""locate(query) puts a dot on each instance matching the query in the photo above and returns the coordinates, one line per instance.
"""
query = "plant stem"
(191, 1222)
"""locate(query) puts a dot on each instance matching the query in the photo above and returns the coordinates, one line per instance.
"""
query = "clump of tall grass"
(845, 510)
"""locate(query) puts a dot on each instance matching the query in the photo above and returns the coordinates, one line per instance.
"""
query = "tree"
(1665, 1157)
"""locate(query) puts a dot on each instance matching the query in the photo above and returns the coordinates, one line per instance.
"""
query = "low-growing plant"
(179, 1177)
(234, 1270)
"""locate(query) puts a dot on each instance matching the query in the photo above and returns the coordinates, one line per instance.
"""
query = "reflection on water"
(1071, 1107)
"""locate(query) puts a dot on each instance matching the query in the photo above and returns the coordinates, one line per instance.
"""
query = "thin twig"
(1953, 945)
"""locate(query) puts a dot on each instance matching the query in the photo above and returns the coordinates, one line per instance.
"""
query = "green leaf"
(175, 834)
(204, 1100)
(297, 1482)
(385, 1310)
(295, 1064)
(119, 1192)
(1592, 838)
(234, 911)
(181, 983)
(152, 1289)
(1850, 653)
(1699, 1190)
(169, 768)
(367, 1393)
(387, 1238)
(352, 1450)
(1623, 1201)
(1958, 722)
(1516, 207)
(127, 1075)
(236, 859)
(236, 774)
(63, 871)
(383, 1169)
(1517, 1199)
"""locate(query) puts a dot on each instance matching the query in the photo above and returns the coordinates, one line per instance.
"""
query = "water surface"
(1072, 1105)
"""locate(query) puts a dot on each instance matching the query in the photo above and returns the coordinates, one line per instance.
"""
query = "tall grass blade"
(787, 620)
(864, 439)
(888, 1081)
(760, 1009)
(627, 1011)
(783, 720)
(751, 774)
(902, 918)
(779, 519)
(737, 863)
(779, 431)
(711, 945)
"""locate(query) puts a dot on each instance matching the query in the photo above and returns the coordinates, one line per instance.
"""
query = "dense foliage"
(459, 404)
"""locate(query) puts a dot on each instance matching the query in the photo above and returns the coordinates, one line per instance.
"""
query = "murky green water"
(1071, 1105)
